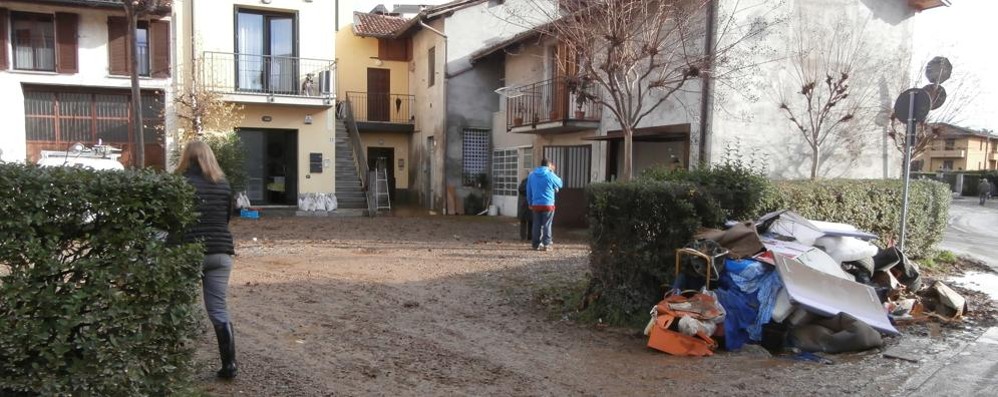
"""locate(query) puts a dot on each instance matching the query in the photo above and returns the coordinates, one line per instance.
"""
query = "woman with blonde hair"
(214, 206)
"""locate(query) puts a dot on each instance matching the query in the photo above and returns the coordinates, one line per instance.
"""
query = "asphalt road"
(973, 230)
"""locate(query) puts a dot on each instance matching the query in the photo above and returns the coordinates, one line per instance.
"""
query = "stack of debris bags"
(816, 286)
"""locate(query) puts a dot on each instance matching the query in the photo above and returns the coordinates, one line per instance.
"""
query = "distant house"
(959, 149)
(65, 78)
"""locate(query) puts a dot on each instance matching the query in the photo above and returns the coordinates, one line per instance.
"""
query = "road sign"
(938, 70)
(937, 94)
(918, 110)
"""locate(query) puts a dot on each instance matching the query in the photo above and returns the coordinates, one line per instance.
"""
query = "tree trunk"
(815, 159)
(628, 173)
(139, 157)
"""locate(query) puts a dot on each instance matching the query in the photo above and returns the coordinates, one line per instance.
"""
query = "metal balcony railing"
(383, 107)
(269, 75)
(555, 100)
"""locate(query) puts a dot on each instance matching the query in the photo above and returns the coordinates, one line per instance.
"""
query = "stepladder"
(381, 188)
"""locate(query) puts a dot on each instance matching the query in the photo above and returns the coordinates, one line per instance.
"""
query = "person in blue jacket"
(542, 184)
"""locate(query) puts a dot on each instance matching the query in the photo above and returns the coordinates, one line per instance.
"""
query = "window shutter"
(4, 63)
(159, 39)
(117, 46)
(67, 42)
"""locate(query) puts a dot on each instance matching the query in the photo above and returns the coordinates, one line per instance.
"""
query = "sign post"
(912, 106)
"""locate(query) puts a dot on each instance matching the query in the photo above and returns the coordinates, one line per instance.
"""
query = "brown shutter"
(117, 46)
(159, 39)
(4, 63)
(67, 42)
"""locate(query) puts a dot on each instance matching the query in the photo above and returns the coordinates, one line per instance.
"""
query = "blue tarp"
(747, 292)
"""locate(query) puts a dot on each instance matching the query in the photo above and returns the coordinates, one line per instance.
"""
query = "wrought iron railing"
(383, 107)
(264, 74)
(560, 99)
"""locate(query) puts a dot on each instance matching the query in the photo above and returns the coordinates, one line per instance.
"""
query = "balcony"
(551, 107)
(993, 156)
(952, 153)
(383, 112)
(266, 79)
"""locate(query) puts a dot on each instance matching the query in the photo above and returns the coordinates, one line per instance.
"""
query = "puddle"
(977, 281)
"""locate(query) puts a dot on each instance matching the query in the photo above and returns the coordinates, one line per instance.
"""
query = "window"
(55, 119)
(948, 165)
(33, 41)
(527, 160)
(395, 50)
(573, 162)
(504, 173)
(431, 66)
(950, 144)
(475, 155)
(266, 60)
(142, 39)
(153, 42)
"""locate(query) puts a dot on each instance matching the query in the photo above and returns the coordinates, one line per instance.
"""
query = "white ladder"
(381, 186)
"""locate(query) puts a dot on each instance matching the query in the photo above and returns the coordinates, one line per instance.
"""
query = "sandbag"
(846, 249)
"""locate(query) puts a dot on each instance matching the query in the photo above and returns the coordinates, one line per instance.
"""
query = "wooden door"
(378, 89)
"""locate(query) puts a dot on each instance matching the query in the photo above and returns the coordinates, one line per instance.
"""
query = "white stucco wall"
(93, 72)
(747, 111)
(427, 169)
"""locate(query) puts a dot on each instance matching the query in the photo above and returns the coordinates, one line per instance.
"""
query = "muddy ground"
(449, 306)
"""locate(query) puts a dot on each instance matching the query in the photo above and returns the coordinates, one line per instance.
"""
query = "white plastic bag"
(330, 202)
(242, 202)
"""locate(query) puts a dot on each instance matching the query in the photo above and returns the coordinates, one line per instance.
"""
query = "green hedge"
(871, 205)
(738, 189)
(635, 229)
(92, 303)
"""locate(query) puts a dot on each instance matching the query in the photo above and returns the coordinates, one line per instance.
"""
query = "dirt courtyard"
(447, 306)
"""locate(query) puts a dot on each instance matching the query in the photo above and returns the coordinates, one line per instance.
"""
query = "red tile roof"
(376, 25)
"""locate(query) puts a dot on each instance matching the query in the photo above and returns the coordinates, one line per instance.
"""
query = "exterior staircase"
(349, 191)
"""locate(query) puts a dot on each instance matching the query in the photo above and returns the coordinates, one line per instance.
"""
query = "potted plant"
(580, 102)
(518, 115)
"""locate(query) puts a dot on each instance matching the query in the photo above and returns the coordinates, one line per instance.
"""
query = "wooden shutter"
(4, 62)
(159, 39)
(67, 42)
(117, 46)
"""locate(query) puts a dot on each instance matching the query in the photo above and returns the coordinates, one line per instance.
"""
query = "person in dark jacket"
(523, 212)
(214, 207)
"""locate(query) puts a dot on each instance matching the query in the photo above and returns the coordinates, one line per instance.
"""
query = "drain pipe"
(443, 140)
(705, 94)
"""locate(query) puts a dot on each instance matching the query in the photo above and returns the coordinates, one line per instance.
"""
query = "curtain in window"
(250, 48)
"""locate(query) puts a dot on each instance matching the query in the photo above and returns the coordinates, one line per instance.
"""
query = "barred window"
(475, 155)
(504, 175)
(527, 160)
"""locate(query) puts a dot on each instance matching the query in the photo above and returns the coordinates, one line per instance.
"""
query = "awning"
(664, 133)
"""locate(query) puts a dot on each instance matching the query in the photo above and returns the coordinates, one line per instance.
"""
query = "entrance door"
(378, 91)
(574, 165)
(271, 166)
(429, 161)
(380, 159)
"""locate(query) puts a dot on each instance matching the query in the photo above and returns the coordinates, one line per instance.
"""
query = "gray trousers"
(215, 282)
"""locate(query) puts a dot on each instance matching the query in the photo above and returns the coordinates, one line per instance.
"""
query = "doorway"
(380, 159)
(574, 166)
(429, 162)
(271, 166)
(378, 92)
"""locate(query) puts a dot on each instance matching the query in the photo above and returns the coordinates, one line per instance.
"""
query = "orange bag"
(662, 338)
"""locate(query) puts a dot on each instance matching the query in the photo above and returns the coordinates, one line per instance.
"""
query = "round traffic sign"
(917, 97)
(938, 70)
(937, 95)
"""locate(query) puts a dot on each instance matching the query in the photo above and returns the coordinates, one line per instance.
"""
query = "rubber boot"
(227, 350)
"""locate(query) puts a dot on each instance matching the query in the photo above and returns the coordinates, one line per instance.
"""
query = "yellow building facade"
(959, 149)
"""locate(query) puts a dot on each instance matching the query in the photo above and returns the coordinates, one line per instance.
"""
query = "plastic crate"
(249, 214)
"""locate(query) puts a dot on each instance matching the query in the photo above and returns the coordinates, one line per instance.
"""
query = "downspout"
(705, 92)
(443, 140)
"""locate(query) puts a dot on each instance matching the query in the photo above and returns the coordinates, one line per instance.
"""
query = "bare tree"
(830, 94)
(961, 91)
(202, 111)
(134, 10)
(632, 56)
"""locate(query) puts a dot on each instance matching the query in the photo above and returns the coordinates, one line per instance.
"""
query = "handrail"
(355, 143)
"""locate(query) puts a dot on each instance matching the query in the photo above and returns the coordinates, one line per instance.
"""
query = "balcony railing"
(382, 107)
(555, 100)
(230, 73)
(948, 152)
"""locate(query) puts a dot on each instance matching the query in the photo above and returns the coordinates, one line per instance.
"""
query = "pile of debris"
(786, 282)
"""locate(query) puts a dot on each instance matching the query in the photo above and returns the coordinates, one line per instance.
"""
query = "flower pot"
(580, 114)
(517, 121)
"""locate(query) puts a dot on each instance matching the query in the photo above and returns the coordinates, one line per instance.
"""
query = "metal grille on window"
(504, 175)
(574, 164)
(527, 160)
(475, 155)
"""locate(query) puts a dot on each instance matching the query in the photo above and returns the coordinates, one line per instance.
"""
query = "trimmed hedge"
(739, 190)
(92, 302)
(635, 229)
(871, 205)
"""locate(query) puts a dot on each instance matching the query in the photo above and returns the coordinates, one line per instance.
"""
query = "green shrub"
(635, 229)
(92, 303)
(871, 205)
(738, 189)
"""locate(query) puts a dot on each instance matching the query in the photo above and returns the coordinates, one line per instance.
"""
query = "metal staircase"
(349, 188)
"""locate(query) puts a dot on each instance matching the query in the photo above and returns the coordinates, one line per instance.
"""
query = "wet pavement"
(973, 230)
(969, 371)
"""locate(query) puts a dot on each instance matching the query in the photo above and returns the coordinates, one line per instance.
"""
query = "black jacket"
(214, 209)
(523, 209)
